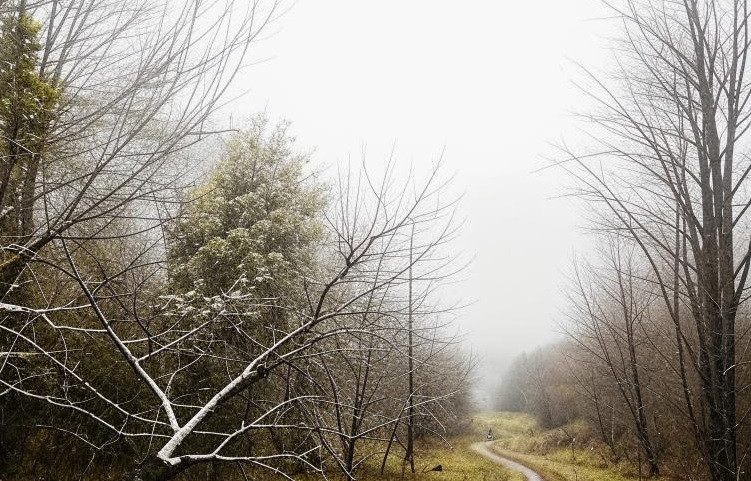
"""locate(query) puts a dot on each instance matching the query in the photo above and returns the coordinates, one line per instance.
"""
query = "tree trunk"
(409, 455)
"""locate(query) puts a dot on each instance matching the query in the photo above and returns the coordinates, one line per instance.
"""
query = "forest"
(180, 295)
(654, 356)
(187, 296)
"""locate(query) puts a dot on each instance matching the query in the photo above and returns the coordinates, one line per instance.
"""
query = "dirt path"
(484, 450)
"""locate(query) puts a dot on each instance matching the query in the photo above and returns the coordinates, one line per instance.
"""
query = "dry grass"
(549, 452)
(458, 461)
(570, 452)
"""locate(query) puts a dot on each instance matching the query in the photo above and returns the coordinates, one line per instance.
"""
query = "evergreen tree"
(27, 109)
(254, 224)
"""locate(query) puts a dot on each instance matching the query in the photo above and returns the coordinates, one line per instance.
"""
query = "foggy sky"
(487, 81)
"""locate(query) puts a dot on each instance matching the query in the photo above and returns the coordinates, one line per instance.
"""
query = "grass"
(458, 461)
(550, 452)
(518, 437)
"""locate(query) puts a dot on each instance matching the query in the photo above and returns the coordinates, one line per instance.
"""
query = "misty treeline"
(657, 351)
(180, 300)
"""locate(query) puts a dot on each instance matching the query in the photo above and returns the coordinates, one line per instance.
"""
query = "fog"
(310, 239)
(489, 84)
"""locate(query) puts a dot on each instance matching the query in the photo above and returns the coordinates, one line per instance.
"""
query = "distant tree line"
(179, 300)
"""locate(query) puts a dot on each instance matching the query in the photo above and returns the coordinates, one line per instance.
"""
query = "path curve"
(484, 450)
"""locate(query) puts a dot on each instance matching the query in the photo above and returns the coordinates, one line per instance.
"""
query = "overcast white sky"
(489, 81)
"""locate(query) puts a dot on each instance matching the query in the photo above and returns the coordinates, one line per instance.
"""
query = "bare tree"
(83, 278)
(670, 174)
(174, 423)
(611, 308)
(409, 452)
(132, 88)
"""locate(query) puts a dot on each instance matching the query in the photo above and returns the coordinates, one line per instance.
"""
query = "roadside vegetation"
(567, 453)
(657, 316)
(457, 460)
